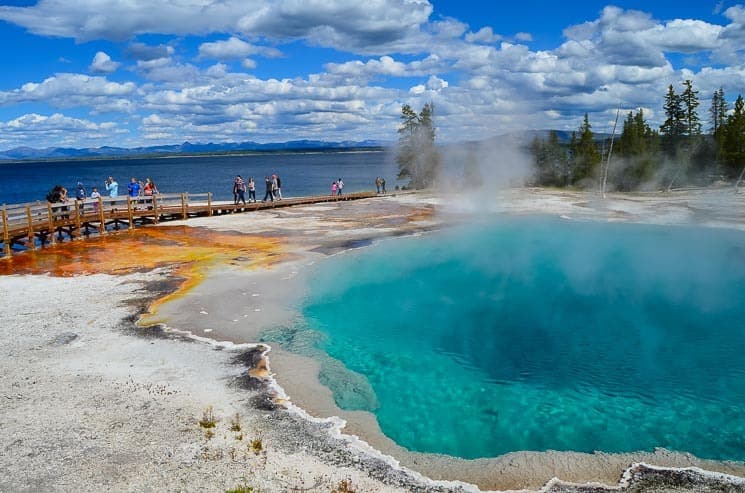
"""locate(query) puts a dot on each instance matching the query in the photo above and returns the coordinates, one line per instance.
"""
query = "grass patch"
(208, 418)
(344, 486)
(235, 423)
(257, 446)
(240, 489)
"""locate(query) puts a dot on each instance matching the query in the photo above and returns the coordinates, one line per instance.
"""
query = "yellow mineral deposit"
(190, 252)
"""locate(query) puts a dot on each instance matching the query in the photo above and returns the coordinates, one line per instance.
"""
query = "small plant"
(208, 418)
(256, 446)
(240, 489)
(208, 434)
(239, 436)
(235, 423)
(344, 486)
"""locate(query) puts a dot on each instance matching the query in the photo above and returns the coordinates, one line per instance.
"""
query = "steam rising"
(478, 171)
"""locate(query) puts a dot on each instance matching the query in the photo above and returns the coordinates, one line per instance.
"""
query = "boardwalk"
(27, 226)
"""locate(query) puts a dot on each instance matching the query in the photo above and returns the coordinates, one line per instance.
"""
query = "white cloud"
(436, 84)
(57, 121)
(235, 48)
(418, 89)
(103, 64)
(484, 83)
(38, 130)
(165, 70)
(386, 65)
(684, 36)
(144, 52)
(67, 90)
(483, 35)
(347, 24)
(217, 71)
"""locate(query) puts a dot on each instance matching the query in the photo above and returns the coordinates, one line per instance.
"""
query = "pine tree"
(723, 107)
(417, 156)
(551, 161)
(406, 153)
(718, 111)
(673, 128)
(638, 144)
(628, 142)
(689, 100)
(429, 157)
(586, 156)
(733, 145)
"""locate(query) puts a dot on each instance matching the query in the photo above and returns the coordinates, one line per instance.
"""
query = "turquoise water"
(536, 334)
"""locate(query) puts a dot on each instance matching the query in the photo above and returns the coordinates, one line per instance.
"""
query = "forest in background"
(634, 157)
(640, 157)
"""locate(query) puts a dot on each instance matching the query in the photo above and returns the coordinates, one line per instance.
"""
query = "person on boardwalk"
(58, 195)
(382, 184)
(112, 187)
(277, 187)
(80, 192)
(339, 186)
(239, 190)
(333, 188)
(251, 189)
(133, 189)
(148, 191)
(95, 196)
(55, 194)
(269, 192)
(377, 183)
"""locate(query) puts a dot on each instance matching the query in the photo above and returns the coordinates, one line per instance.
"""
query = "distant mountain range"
(62, 153)
(526, 137)
(54, 153)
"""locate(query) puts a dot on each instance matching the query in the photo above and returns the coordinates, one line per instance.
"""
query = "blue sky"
(88, 73)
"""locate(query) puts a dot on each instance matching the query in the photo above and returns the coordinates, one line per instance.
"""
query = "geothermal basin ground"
(92, 401)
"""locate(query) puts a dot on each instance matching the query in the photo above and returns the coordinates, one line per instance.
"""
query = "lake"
(302, 174)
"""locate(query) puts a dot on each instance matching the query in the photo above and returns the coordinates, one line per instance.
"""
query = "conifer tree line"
(678, 153)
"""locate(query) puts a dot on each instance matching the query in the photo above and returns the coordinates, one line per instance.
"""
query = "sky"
(90, 73)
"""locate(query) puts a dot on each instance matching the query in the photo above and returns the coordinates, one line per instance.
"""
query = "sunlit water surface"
(537, 334)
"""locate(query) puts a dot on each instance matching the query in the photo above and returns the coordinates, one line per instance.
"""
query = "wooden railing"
(24, 224)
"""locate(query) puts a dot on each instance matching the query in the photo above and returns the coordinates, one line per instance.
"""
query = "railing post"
(209, 204)
(77, 220)
(50, 219)
(130, 214)
(6, 234)
(101, 217)
(31, 237)
(184, 212)
(155, 209)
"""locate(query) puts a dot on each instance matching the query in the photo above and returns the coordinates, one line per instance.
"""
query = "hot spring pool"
(535, 333)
